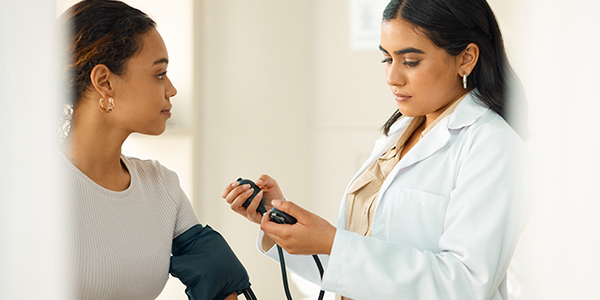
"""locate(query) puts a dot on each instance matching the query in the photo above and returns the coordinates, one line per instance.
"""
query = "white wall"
(558, 55)
(33, 264)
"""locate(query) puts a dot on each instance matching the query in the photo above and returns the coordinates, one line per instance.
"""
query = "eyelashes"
(387, 60)
(161, 75)
(411, 63)
(408, 63)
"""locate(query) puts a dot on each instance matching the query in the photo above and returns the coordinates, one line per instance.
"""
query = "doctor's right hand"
(236, 195)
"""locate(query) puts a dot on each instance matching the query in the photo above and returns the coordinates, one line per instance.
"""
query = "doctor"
(436, 210)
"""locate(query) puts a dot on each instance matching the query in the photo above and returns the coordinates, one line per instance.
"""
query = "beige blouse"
(362, 194)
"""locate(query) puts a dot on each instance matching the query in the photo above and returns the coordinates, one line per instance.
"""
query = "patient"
(132, 223)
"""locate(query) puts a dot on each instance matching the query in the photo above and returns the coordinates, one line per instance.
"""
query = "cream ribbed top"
(122, 240)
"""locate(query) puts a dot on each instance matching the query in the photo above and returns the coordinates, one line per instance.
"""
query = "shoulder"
(492, 143)
(483, 134)
(151, 169)
(492, 126)
(477, 122)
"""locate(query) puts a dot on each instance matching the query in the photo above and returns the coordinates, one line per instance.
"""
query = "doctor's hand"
(236, 195)
(310, 235)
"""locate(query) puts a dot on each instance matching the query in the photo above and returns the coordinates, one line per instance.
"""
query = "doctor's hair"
(452, 25)
(107, 32)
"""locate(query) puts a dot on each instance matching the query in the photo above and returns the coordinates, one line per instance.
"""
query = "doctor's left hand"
(310, 235)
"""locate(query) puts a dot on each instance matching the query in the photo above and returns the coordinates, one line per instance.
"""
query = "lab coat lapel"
(436, 139)
(466, 113)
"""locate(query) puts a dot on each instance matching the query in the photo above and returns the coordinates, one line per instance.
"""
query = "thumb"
(266, 181)
(291, 209)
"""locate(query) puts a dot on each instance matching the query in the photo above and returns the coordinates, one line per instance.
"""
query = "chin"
(408, 113)
(411, 111)
(159, 132)
(155, 131)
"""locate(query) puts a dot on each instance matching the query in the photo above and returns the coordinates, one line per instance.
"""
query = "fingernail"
(249, 191)
(234, 184)
(259, 182)
(276, 202)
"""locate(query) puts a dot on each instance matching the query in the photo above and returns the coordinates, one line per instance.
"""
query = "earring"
(111, 105)
(465, 81)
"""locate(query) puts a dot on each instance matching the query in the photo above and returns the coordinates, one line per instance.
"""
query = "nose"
(395, 75)
(171, 91)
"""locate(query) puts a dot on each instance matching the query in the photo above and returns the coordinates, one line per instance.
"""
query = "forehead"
(153, 48)
(398, 33)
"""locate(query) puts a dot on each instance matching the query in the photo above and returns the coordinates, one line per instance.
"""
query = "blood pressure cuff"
(206, 265)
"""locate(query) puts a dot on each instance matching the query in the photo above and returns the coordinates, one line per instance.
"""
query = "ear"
(468, 59)
(100, 78)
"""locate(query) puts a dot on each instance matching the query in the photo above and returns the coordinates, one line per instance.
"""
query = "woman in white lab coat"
(437, 209)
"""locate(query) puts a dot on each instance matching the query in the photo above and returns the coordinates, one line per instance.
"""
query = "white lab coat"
(447, 220)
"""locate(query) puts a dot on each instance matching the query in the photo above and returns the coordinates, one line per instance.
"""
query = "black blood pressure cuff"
(206, 265)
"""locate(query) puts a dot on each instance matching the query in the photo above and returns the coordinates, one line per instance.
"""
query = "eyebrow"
(404, 51)
(160, 61)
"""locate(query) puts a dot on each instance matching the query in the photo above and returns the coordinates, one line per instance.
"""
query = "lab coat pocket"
(418, 218)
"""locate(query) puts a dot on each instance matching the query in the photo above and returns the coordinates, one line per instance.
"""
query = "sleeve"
(484, 219)
(186, 217)
(302, 265)
(206, 265)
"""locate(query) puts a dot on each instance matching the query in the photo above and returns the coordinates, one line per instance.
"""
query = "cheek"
(424, 81)
(432, 87)
(436, 80)
(150, 92)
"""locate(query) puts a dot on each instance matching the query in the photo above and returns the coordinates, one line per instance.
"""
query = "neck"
(430, 118)
(81, 147)
(96, 151)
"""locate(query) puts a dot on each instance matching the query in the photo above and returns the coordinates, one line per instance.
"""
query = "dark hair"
(98, 32)
(452, 25)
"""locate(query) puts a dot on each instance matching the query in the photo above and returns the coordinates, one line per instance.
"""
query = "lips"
(401, 97)
(167, 112)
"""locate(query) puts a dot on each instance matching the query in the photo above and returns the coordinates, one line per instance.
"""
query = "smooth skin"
(142, 104)
(424, 79)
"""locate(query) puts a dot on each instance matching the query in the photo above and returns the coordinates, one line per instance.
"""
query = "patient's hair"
(98, 32)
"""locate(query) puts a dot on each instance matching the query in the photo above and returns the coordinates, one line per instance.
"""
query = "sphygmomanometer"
(279, 217)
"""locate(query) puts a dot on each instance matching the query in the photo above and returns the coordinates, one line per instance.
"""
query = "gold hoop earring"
(465, 81)
(111, 105)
